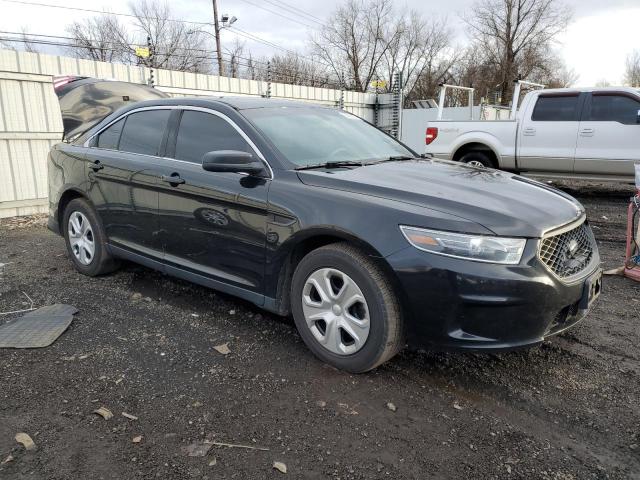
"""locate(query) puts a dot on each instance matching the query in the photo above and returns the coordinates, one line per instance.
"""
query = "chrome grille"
(568, 253)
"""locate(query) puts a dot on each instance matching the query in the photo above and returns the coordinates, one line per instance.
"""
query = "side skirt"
(267, 303)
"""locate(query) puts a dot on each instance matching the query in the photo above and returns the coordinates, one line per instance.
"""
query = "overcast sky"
(595, 45)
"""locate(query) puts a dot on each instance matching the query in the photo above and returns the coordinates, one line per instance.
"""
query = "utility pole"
(216, 25)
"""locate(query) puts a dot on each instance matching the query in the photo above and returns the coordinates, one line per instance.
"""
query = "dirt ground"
(143, 343)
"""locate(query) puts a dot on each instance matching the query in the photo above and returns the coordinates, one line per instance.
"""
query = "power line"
(294, 9)
(102, 12)
(277, 13)
(235, 29)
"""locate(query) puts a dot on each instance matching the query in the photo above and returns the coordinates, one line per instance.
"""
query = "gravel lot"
(143, 344)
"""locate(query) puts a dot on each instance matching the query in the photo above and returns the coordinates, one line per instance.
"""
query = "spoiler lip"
(86, 101)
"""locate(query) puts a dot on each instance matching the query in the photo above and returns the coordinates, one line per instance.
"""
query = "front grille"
(569, 253)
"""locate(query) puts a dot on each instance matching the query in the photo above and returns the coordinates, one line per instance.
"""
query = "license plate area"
(591, 290)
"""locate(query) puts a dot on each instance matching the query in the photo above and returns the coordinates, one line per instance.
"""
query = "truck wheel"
(477, 159)
(85, 240)
(345, 308)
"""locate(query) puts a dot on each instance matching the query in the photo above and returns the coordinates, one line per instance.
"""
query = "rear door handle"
(587, 132)
(95, 166)
(173, 179)
(529, 131)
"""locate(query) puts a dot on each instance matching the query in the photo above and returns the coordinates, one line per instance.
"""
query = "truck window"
(556, 108)
(614, 108)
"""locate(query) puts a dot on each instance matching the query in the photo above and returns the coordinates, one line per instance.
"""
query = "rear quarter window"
(110, 137)
(556, 108)
(143, 132)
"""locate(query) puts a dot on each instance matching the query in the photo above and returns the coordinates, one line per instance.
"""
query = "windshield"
(311, 136)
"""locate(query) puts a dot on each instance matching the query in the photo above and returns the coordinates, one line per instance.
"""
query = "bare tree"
(175, 45)
(632, 69)
(27, 44)
(603, 82)
(236, 62)
(416, 50)
(514, 35)
(355, 39)
(101, 38)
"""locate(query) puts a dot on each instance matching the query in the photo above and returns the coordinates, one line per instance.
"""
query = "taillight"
(431, 135)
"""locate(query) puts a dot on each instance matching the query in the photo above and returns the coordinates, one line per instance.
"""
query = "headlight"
(480, 248)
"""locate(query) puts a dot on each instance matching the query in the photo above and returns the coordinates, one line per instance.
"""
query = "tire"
(80, 213)
(379, 308)
(477, 159)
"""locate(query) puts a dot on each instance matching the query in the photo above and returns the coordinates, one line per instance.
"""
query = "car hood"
(502, 202)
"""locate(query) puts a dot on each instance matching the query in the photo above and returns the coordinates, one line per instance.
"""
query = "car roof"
(235, 102)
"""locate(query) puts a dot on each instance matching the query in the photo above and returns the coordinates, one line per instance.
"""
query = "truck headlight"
(480, 248)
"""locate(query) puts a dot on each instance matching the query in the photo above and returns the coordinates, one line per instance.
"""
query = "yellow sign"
(379, 83)
(142, 52)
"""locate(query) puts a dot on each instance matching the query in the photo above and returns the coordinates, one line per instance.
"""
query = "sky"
(595, 44)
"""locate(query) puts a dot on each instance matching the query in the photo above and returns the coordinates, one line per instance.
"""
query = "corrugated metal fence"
(30, 120)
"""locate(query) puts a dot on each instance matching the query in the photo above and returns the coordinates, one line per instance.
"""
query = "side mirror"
(232, 161)
(638, 117)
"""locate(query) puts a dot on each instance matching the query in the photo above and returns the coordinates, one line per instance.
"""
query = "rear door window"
(556, 108)
(143, 132)
(614, 108)
(110, 137)
(202, 132)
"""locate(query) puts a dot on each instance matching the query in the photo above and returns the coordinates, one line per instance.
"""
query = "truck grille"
(569, 253)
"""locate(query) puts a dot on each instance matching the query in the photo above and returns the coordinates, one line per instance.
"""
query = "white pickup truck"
(589, 133)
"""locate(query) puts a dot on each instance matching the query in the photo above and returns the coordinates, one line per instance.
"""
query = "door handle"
(173, 179)
(529, 131)
(95, 166)
(587, 132)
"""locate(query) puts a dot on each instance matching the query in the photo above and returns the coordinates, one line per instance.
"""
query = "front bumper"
(461, 304)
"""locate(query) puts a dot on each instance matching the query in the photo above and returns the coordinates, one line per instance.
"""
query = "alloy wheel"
(476, 163)
(81, 238)
(336, 311)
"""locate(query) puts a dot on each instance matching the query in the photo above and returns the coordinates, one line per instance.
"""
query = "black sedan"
(311, 211)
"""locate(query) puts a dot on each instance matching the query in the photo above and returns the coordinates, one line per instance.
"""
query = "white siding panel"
(49, 64)
(8, 60)
(34, 106)
(23, 171)
(40, 152)
(6, 173)
(28, 62)
(12, 108)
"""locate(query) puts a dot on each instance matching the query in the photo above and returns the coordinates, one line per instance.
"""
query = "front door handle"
(95, 166)
(530, 131)
(173, 179)
(587, 132)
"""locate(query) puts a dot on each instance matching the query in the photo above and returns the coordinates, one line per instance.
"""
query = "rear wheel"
(345, 309)
(85, 239)
(477, 159)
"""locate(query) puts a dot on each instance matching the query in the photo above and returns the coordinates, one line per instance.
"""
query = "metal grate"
(567, 254)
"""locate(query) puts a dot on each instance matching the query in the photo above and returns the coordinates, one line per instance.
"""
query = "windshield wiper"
(396, 158)
(346, 163)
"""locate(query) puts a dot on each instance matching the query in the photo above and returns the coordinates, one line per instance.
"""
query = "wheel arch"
(69, 194)
(475, 146)
(304, 242)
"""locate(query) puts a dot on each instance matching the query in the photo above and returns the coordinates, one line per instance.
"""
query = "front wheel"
(345, 308)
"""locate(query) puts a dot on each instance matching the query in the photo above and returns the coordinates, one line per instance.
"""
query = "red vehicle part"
(632, 258)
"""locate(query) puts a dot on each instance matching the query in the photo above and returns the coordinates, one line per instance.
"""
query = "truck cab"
(590, 133)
